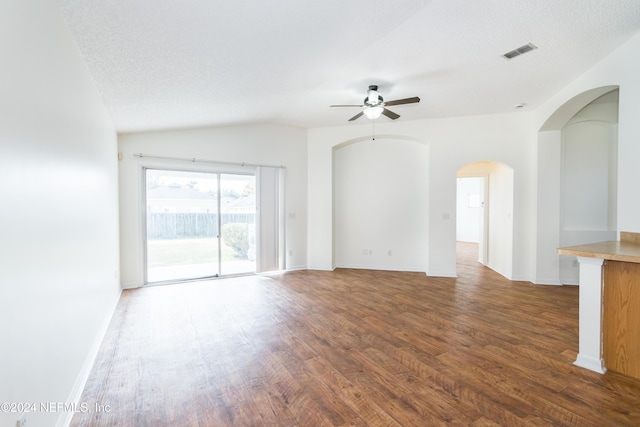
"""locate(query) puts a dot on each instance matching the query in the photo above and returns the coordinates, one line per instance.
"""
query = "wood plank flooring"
(352, 348)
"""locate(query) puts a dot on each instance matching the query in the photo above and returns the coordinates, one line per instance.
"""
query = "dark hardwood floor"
(352, 348)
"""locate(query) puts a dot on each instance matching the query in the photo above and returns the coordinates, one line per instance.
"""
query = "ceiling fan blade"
(346, 106)
(403, 101)
(390, 114)
(356, 116)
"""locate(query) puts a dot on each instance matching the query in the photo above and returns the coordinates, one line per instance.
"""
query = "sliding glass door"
(198, 225)
(238, 226)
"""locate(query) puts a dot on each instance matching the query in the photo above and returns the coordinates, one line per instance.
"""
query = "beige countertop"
(612, 250)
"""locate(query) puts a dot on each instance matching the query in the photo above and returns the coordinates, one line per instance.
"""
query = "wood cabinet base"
(621, 318)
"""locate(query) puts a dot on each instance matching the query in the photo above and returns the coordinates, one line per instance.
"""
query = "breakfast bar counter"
(609, 319)
(612, 250)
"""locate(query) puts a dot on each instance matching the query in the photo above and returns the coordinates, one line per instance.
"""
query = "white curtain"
(270, 239)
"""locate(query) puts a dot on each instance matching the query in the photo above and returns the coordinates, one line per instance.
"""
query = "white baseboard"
(132, 285)
(441, 274)
(590, 363)
(299, 268)
(81, 380)
(548, 283)
(312, 267)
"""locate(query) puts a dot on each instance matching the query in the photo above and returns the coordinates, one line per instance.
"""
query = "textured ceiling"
(162, 64)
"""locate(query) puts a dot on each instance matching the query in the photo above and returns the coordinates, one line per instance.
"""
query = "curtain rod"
(194, 160)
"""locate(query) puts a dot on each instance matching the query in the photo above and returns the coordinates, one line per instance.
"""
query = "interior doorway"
(484, 212)
(198, 225)
(470, 214)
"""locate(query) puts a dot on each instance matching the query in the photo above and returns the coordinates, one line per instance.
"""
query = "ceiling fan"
(374, 105)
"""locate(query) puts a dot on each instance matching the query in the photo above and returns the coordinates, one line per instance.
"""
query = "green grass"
(186, 251)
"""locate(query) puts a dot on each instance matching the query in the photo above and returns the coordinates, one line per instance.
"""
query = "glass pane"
(238, 214)
(182, 225)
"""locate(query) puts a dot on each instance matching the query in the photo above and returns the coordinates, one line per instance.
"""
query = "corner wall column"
(590, 317)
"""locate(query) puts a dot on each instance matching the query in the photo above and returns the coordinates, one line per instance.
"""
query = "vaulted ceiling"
(162, 64)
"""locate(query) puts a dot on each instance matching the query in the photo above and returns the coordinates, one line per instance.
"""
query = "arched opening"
(484, 213)
(588, 180)
(577, 181)
(380, 204)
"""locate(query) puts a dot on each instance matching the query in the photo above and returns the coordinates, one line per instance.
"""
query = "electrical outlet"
(22, 421)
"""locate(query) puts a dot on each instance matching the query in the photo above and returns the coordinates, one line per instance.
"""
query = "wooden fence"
(191, 225)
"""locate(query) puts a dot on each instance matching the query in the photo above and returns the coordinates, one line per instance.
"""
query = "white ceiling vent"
(519, 51)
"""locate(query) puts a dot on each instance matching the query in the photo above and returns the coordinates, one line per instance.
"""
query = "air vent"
(519, 51)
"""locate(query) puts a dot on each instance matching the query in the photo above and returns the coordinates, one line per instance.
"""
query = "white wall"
(588, 148)
(58, 222)
(380, 205)
(619, 69)
(259, 144)
(452, 143)
(500, 239)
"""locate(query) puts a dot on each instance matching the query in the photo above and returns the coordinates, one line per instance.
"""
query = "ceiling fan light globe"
(373, 112)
